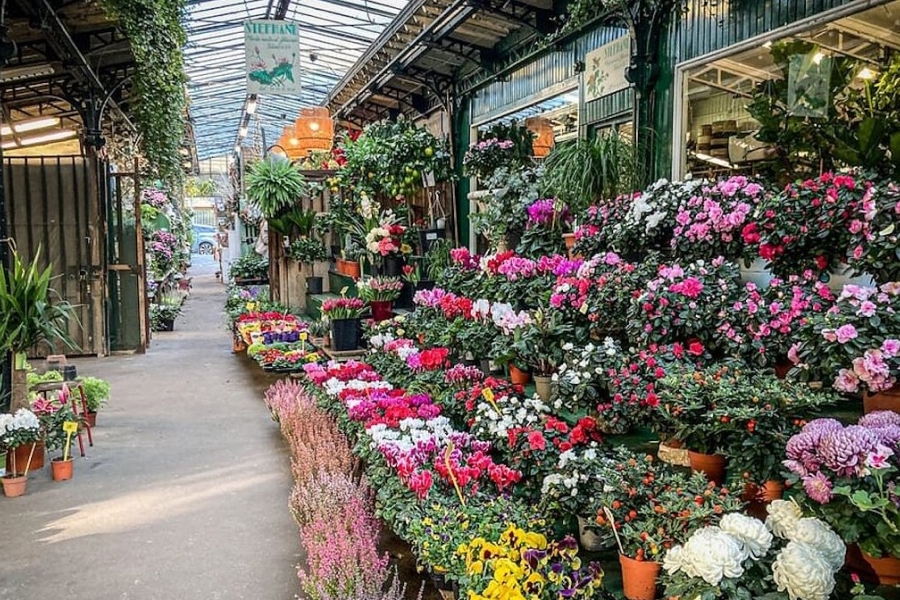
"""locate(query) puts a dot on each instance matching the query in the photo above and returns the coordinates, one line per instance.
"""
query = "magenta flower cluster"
(154, 198)
(546, 212)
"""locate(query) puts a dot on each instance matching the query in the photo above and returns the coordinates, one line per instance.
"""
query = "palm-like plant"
(29, 313)
(274, 185)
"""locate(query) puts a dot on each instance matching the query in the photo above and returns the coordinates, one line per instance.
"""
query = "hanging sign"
(272, 50)
(605, 69)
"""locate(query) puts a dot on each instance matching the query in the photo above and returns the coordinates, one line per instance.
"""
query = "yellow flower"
(406, 249)
(476, 568)
(534, 584)
(535, 540)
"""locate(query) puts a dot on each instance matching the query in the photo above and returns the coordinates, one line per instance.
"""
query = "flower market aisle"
(183, 494)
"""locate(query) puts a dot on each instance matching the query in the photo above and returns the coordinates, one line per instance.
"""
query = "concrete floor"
(184, 494)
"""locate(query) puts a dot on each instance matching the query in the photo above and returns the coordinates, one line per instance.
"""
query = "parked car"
(204, 239)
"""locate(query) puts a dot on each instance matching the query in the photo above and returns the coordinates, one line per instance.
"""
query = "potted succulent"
(16, 430)
(855, 346)
(96, 395)
(309, 250)
(30, 314)
(344, 314)
(742, 557)
(380, 292)
(848, 476)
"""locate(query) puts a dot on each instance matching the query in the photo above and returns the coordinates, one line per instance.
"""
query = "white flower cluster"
(412, 432)
(565, 483)
(804, 568)
(23, 420)
(379, 341)
(334, 386)
(514, 412)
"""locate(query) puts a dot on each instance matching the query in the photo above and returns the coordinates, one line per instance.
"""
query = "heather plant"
(325, 494)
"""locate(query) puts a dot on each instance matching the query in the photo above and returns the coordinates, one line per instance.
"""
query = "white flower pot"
(758, 272)
(588, 539)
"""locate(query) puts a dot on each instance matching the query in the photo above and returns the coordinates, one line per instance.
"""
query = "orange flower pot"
(886, 400)
(884, 570)
(711, 465)
(61, 469)
(516, 375)
(639, 578)
(14, 486)
(21, 457)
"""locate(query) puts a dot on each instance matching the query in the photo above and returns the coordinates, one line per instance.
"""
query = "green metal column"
(461, 127)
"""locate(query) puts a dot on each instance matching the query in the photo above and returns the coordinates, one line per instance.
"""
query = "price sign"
(70, 426)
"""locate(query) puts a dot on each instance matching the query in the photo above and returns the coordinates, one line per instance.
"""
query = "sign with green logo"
(605, 69)
(272, 51)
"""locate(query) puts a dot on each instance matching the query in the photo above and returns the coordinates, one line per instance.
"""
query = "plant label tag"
(584, 308)
(344, 290)
(488, 394)
(70, 427)
(303, 336)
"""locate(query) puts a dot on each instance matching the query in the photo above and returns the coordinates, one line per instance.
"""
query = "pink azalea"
(890, 347)
(845, 333)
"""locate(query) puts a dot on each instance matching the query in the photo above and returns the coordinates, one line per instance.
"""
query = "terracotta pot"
(782, 367)
(544, 386)
(884, 571)
(639, 578)
(421, 338)
(238, 345)
(382, 311)
(61, 469)
(90, 417)
(771, 490)
(21, 457)
(886, 400)
(588, 538)
(350, 268)
(569, 239)
(14, 486)
(516, 375)
(711, 465)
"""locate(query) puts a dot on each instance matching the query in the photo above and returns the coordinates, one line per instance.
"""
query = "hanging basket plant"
(274, 186)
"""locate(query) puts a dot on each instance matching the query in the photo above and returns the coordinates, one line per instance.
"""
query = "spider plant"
(274, 185)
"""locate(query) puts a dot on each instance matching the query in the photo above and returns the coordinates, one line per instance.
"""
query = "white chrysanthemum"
(783, 517)
(673, 561)
(803, 572)
(751, 532)
(818, 535)
(712, 554)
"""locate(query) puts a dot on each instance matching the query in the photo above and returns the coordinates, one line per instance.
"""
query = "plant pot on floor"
(544, 386)
(19, 457)
(639, 578)
(90, 417)
(14, 485)
(314, 285)
(344, 334)
(883, 571)
(166, 325)
(382, 310)
(350, 268)
(886, 400)
(61, 469)
(711, 465)
(518, 376)
(589, 540)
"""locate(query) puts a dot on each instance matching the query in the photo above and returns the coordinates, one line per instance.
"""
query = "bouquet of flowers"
(710, 222)
(485, 157)
(387, 240)
(805, 227)
(343, 308)
(683, 302)
(855, 344)
(649, 222)
(379, 289)
(743, 557)
(875, 234)
(850, 477)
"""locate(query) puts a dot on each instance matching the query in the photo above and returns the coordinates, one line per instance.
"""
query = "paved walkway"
(184, 494)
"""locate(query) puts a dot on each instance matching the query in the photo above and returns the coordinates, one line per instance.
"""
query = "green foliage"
(156, 31)
(199, 188)
(28, 313)
(583, 172)
(250, 266)
(307, 250)
(274, 186)
(96, 392)
(168, 308)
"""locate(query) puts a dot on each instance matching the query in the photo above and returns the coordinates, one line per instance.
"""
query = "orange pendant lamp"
(545, 138)
(314, 130)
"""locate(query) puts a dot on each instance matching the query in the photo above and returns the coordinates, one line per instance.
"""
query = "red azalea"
(750, 233)
(536, 440)
(821, 262)
(695, 348)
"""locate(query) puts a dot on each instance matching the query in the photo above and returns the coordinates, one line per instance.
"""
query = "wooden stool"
(56, 386)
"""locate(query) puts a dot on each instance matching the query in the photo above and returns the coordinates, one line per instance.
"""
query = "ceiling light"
(866, 73)
(817, 57)
(251, 106)
(26, 72)
(54, 136)
(23, 126)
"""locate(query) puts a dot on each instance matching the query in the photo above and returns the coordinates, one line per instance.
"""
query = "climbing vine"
(156, 31)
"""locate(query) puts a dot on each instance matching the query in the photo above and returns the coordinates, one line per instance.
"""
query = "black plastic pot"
(344, 334)
(167, 325)
(425, 284)
(392, 266)
(405, 301)
(429, 236)
(313, 285)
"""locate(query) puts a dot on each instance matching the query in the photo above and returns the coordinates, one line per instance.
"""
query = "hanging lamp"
(314, 130)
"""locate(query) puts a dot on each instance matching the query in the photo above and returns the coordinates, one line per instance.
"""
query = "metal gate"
(51, 206)
(126, 314)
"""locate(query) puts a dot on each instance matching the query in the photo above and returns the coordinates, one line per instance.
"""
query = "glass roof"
(333, 35)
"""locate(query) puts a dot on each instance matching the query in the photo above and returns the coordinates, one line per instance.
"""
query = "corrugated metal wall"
(712, 26)
(539, 79)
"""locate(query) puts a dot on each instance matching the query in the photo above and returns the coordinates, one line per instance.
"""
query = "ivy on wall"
(156, 31)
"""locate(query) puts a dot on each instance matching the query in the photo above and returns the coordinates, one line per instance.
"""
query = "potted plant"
(163, 313)
(848, 476)
(250, 269)
(309, 250)
(274, 186)
(16, 430)
(537, 340)
(96, 395)
(875, 234)
(320, 332)
(58, 423)
(380, 292)
(855, 346)
(344, 314)
(742, 557)
(348, 264)
(30, 314)
(385, 242)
